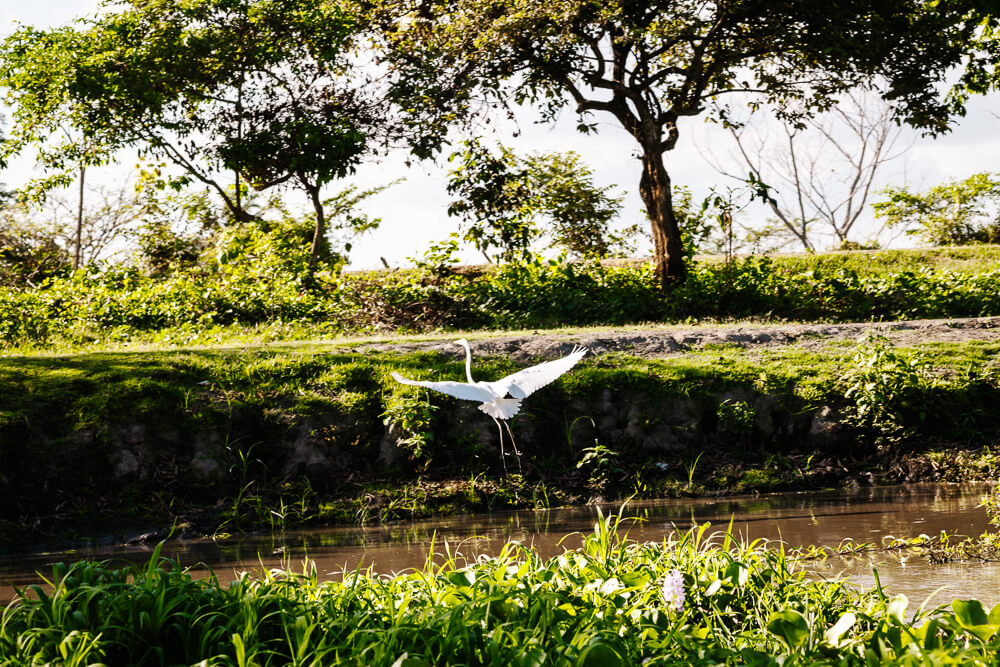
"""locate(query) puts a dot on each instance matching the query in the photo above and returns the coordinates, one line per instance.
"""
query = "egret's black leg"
(514, 445)
(503, 459)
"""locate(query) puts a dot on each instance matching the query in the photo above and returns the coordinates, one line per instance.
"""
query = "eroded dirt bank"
(229, 439)
(661, 342)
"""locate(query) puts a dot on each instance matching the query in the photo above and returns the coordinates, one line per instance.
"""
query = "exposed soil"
(666, 341)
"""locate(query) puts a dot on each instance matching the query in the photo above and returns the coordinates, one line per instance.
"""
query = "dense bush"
(258, 279)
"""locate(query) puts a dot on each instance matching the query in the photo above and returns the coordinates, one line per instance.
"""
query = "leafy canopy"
(958, 212)
(247, 86)
(649, 63)
(507, 202)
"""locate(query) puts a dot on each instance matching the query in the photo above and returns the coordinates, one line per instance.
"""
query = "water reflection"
(817, 518)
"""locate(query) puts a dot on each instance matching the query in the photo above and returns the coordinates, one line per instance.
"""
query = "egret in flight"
(501, 399)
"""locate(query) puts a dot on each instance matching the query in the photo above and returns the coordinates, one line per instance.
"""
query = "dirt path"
(660, 342)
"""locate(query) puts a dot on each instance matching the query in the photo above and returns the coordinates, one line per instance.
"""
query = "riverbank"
(124, 446)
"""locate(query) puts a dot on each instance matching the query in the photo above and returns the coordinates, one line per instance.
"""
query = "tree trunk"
(654, 188)
(79, 221)
(320, 232)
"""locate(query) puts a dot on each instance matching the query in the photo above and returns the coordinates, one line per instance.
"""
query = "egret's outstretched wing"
(464, 390)
(529, 380)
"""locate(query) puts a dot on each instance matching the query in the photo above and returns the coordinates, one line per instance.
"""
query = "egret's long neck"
(468, 362)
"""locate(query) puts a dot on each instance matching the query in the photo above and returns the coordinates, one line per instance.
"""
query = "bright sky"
(414, 212)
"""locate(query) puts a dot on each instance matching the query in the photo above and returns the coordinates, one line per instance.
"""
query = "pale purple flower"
(673, 590)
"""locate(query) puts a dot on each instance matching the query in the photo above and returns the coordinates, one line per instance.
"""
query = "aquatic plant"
(696, 599)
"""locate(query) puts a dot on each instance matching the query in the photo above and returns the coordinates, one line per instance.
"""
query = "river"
(870, 514)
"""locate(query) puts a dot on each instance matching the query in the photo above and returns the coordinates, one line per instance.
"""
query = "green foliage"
(691, 600)
(505, 200)
(736, 418)
(696, 229)
(213, 86)
(578, 212)
(954, 213)
(28, 254)
(887, 388)
(409, 415)
(723, 205)
(582, 54)
(176, 227)
(439, 257)
(260, 277)
(235, 422)
(992, 504)
(599, 461)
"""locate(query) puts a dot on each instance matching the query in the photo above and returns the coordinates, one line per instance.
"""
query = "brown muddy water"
(867, 515)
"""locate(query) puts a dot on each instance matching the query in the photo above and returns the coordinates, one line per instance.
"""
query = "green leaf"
(969, 612)
(790, 626)
(973, 619)
(994, 617)
(635, 579)
(600, 655)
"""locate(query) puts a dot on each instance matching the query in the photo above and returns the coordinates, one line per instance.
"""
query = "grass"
(960, 259)
(696, 599)
(295, 434)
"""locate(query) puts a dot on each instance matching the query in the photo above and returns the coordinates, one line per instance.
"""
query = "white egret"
(501, 399)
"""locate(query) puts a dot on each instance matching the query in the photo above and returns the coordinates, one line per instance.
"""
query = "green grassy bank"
(262, 297)
(235, 439)
(693, 600)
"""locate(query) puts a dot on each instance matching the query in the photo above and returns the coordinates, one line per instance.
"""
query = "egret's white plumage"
(501, 399)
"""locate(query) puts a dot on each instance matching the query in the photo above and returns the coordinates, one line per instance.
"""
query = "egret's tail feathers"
(501, 408)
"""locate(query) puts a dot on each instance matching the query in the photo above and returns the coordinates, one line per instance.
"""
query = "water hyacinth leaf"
(463, 578)
(897, 608)
(533, 657)
(753, 658)
(790, 626)
(973, 619)
(654, 618)
(639, 580)
(737, 573)
(843, 624)
(929, 633)
(969, 612)
(713, 587)
(898, 640)
(994, 617)
(598, 654)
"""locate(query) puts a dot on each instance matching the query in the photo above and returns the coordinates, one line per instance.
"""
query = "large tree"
(647, 64)
(229, 90)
